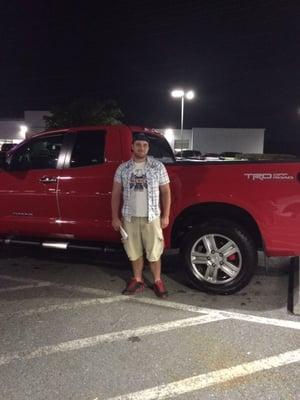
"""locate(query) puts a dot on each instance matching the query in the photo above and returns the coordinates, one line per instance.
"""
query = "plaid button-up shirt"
(156, 175)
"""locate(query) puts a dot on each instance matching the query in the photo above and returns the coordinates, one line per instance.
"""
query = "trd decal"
(279, 176)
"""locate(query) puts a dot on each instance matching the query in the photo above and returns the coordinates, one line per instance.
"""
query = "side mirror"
(3, 163)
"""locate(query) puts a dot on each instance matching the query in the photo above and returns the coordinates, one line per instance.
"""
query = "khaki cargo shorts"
(143, 235)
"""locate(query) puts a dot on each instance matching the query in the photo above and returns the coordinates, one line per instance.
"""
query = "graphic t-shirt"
(139, 190)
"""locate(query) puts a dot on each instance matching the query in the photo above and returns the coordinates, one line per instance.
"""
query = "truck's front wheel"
(219, 257)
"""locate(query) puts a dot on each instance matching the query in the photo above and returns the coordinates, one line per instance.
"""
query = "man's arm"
(115, 205)
(166, 204)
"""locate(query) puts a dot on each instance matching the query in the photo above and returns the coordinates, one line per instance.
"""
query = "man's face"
(140, 148)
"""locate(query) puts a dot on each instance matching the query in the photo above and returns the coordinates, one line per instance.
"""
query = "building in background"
(35, 121)
(217, 140)
(16, 130)
(12, 131)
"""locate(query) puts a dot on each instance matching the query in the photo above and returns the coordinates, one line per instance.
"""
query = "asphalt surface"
(67, 333)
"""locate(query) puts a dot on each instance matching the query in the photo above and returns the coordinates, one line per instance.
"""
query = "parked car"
(231, 154)
(7, 146)
(194, 154)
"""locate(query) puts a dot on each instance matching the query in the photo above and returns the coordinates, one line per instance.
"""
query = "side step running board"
(55, 245)
(61, 245)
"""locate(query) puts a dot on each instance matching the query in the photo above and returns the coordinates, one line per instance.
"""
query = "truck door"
(28, 191)
(85, 189)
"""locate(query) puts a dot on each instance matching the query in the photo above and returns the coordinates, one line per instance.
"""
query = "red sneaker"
(160, 290)
(133, 287)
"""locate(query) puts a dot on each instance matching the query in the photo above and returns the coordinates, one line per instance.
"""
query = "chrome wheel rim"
(215, 259)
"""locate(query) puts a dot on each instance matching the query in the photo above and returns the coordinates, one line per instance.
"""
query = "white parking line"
(81, 289)
(202, 381)
(173, 304)
(284, 323)
(65, 306)
(85, 290)
(18, 279)
(108, 338)
(22, 287)
(264, 320)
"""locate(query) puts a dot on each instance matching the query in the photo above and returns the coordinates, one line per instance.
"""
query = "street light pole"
(179, 93)
(182, 110)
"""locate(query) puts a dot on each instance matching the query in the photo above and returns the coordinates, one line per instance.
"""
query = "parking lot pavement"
(67, 333)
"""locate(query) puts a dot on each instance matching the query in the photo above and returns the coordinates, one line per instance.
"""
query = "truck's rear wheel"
(219, 257)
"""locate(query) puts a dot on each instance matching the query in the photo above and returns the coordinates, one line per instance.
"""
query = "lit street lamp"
(181, 94)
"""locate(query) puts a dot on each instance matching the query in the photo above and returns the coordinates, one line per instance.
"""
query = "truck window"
(160, 149)
(41, 153)
(88, 149)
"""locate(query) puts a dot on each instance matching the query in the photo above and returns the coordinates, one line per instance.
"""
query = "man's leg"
(155, 267)
(134, 249)
(136, 284)
(158, 286)
(154, 244)
(137, 267)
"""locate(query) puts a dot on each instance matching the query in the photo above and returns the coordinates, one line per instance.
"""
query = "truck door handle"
(48, 179)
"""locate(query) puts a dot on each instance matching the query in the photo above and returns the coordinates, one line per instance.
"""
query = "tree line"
(82, 112)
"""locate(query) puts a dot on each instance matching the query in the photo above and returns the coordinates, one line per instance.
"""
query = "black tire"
(213, 271)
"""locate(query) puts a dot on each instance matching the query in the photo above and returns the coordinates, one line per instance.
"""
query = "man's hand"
(164, 222)
(116, 223)
(166, 203)
(115, 205)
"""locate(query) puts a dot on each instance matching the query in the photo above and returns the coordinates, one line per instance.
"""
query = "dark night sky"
(242, 59)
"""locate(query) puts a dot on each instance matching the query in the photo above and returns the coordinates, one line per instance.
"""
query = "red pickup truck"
(55, 191)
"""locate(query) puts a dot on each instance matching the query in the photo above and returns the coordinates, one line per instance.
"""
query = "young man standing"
(142, 180)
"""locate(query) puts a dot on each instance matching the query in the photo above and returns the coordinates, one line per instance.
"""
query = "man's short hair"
(140, 136)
